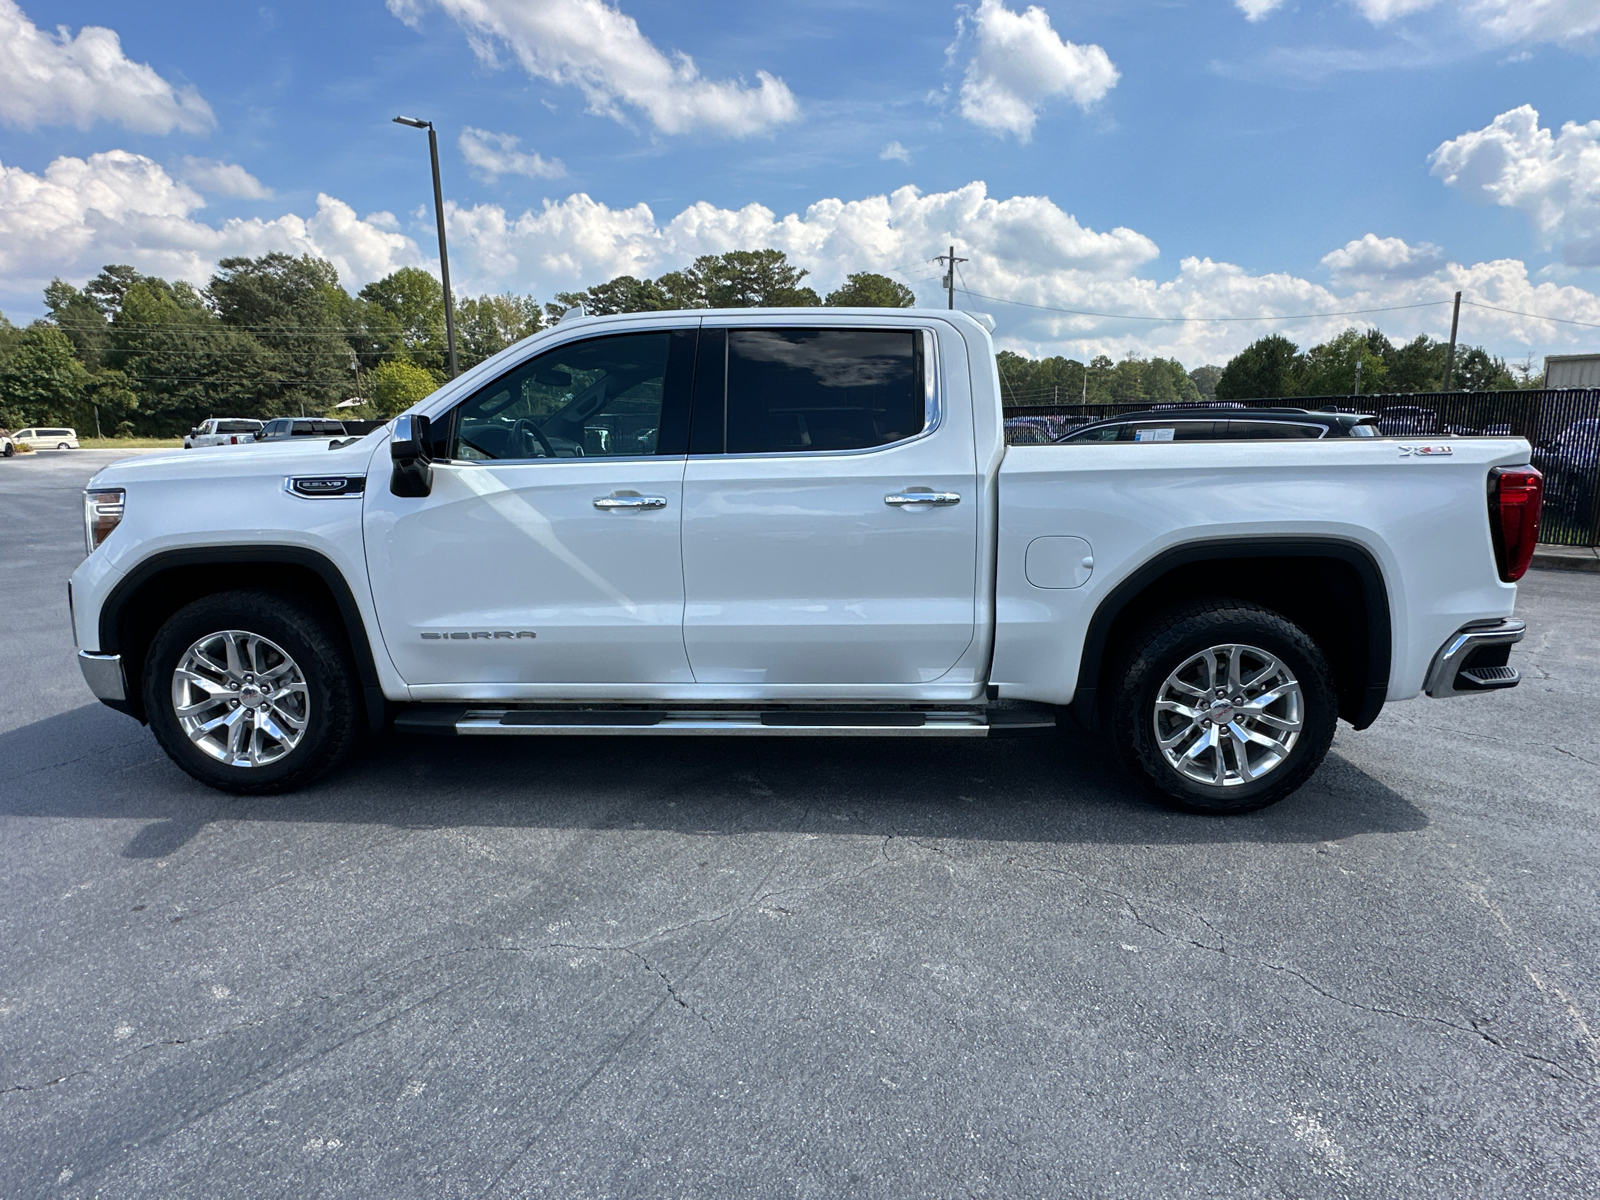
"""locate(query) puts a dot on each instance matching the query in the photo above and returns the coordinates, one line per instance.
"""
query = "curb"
(1567, 558)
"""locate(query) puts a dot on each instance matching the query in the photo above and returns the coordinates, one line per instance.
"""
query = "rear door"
(829, 520)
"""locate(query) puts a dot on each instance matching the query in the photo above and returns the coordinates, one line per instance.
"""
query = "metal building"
(1572, 371)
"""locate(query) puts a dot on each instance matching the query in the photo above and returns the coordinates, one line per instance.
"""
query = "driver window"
(595, 398)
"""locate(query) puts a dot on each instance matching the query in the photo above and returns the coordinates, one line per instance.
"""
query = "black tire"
(317, 647)
(1141, 673)
(63, 446)
(10, 450)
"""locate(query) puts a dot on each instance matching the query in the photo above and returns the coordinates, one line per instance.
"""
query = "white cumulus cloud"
(66, 80)
(895, 152)
(121, 207)
(1553, 178)
(223, 179)
(491, 155)
(1372, 258)
(590, 45)
(1255, 10)
(1018, 62)
(1027, 249)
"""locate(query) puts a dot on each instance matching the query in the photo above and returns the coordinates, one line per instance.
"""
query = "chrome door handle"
(630, 502)
(901, 499)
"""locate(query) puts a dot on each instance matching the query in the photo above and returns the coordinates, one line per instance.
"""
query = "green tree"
(486, 325)
(396, 385)
(1329, 369)
(866, 290)
(41, 379)
(738, 279)
(1265, 369)
(623, 294)
(415, 301)
(183, 364)
(78, 316)
(1477, 370)
(287, 305)
(1205, 381)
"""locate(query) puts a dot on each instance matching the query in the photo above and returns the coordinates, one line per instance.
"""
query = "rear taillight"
(1515, 496)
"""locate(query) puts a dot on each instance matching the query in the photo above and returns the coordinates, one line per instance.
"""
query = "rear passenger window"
(1175, 431)
(1278, 431)
(799, 390)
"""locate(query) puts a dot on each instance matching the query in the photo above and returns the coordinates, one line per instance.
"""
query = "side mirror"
(413, 462)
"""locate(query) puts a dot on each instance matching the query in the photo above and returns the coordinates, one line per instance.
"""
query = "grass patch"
(130, 443)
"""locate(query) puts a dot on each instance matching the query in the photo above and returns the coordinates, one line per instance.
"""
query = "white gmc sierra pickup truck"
(793, 523)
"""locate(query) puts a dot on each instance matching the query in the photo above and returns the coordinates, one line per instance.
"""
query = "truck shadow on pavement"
(1064, 790)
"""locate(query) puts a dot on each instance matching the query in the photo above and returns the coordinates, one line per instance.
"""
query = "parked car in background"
(41, 438)
(1203, 423)
(7, 446)
(1407, 420)
(1571, 463)
(221, 431)
(293, 427)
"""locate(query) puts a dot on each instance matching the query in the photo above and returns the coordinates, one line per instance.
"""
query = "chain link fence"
(1563, 425)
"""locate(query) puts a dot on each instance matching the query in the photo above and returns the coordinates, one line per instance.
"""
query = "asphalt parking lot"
(684, 968)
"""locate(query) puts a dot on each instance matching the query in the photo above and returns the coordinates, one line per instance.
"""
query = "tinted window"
(1244, 431)
(1106, 433)
(821, 389)
(1172, 431)
(597, 397)
(238, 426)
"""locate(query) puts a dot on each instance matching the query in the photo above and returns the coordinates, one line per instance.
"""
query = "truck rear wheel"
(251, 692)
(1223, 706)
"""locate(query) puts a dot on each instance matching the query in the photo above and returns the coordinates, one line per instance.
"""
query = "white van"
(47, 439)
(221, 431)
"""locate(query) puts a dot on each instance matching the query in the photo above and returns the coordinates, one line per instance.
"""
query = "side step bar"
(460, 720)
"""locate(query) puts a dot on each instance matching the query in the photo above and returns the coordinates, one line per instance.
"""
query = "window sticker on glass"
(1153, 435)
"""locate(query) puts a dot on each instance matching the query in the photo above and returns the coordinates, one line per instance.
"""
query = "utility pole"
(949, 279)
(1450, 354)
(1357, 392)
(444, 254)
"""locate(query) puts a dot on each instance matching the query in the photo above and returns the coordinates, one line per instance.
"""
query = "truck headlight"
(102, 512)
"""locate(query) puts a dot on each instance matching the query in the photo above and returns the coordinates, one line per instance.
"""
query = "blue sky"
(1142, 157)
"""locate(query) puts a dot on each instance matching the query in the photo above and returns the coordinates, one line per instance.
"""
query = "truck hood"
(298, 456)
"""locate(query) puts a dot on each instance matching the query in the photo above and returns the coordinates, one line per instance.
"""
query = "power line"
(1536, 316)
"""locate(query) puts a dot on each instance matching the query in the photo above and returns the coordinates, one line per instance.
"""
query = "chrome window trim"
(932, 400)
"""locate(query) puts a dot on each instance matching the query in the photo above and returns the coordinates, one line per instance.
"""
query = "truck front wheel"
(1223, 706)
(251, 692)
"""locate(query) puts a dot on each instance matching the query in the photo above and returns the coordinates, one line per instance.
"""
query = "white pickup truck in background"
(793, 523)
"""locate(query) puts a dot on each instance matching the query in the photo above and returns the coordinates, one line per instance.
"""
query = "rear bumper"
(1474, 659)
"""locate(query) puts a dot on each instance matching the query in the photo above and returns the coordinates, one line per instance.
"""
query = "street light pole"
(444, 253)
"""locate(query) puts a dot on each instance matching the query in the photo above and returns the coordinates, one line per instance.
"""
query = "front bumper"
(104, 675)
(1474, 659)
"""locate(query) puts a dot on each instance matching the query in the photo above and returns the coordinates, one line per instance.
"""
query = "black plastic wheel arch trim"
(1085, 698)
(129, 586)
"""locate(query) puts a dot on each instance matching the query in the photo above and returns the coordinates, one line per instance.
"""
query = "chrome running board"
(572, 720)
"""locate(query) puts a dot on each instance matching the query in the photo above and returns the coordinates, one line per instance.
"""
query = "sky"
(1218, 161)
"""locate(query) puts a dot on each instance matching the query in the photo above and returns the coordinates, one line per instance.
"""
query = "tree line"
(130, 354)
(133, 354)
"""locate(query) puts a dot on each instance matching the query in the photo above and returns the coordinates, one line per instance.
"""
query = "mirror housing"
(413, 461)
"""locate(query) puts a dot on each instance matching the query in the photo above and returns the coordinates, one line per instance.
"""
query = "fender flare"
(1375, 593)
(355, 628)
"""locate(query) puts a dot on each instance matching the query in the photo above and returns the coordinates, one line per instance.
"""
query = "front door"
(830, 527)
(547, 552)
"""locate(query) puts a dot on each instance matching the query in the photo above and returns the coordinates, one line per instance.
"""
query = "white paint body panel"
(1424, 521)
(786, 577)
(520, 547)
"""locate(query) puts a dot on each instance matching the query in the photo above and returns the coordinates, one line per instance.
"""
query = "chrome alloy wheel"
(240, 698)
(1228, 715)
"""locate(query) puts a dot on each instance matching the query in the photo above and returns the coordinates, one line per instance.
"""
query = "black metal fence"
(1562, 424)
